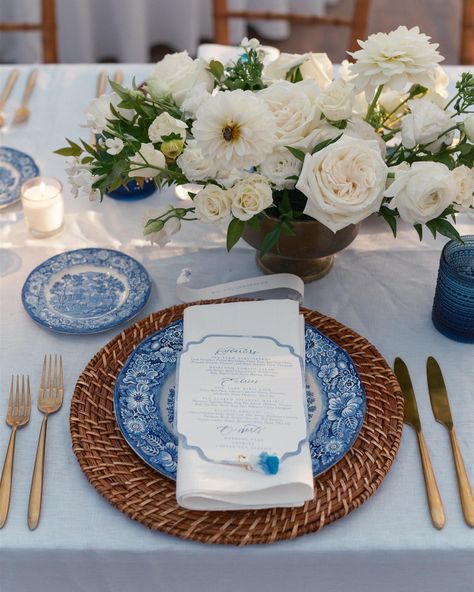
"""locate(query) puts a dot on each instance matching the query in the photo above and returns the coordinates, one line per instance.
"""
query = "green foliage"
(390, 216)
(234, 232)
(245, 74)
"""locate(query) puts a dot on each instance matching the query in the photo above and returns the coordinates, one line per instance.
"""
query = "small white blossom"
(170, 227)
(114, 146)
(250, 43)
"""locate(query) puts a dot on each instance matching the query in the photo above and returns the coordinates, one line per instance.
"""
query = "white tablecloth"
(381, 287)
(90, 30)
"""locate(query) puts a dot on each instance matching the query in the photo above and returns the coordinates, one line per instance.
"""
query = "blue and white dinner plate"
(144, 399)
(15, 168)
(86, 291)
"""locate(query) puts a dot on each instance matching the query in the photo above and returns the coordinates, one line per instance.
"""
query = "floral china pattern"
(15, 168)
(144, 399)
(86, 291)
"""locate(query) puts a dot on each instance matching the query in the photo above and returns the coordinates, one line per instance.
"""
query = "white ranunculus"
(140, 162)
(336, 101)
(98, 112)
(279, 68)
(425, 124)
(343, 182)
(114, 146)
(317, 67)
(464, 177)
(423, 192)
(193, 164)
(212, 204)
(177, 75)
(170, 227)
(296, 112)
(235, 129)
(469, 127)
(280, 165)
(396, 59)
(165, 125)
(194, 100)
(250, 197)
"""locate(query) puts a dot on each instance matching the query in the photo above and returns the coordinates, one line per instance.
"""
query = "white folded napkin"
(203, 485)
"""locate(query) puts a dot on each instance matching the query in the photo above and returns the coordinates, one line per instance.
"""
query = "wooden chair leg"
(221, 22)
(49, 41)
(467, 33)
(359, 23)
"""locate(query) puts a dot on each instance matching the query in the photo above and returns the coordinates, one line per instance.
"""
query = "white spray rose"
(193, 164)
(425, 124)
(336, 101)
(279, 68)
(212, 204)
(140, 162)
(464, 177)
(296, 111)
(423, 192)
(195, 99)
(469, 127)
(317, 67)
(177, 75)
(170, 227)
(343, 182)
(280, 165)
(358, 128)
(98, 112)
(250, 196)
(164, 125)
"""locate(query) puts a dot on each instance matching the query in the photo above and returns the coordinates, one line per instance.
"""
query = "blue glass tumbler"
(453, 306)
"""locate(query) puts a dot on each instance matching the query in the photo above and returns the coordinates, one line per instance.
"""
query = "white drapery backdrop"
(90, 30)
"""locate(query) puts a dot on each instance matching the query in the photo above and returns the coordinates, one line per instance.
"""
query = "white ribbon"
(278, 285)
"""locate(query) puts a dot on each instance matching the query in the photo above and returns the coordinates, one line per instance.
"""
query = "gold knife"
(412, 418)
(442, 413)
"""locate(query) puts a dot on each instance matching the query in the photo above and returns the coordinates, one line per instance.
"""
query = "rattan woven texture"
(146, 496)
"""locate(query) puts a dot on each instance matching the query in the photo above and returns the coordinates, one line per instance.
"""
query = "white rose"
(425, 123)
(212, 204)
(423, 192)
(358, 128)
(279, 68)
(194, 100)
(469, 127)
(98, 112)
(164, 125)
(147, 155)
(280, 165)
(177, 74)
(464, 177)
(336, 101)
(193, 164)
(318, 67)
(250, 197)
(170, 227)
(343, 182)
(296, 111)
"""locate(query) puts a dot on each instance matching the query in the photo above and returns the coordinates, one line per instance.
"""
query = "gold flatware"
(23, 113)
(118, 77)
(18, 414)
(412, 418)
(50, 399)
(7, 89)
(442, 413)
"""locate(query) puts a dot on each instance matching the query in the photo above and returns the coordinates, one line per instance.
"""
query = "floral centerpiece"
(291, 140)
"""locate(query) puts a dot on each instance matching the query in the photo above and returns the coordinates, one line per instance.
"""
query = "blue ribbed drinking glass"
(453, 306)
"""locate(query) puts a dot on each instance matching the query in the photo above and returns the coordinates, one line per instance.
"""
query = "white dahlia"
(235, 129)
(397, 59)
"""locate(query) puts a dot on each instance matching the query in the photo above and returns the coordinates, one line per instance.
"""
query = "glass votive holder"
(453, 306)
(43, 206)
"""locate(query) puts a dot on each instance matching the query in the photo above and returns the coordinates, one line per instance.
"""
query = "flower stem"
(373, 104)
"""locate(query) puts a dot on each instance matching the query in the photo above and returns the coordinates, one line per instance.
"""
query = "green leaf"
(447, 229)
(216, 69)
(389, 217)
(68, 151)
(234, 232)
(153, 225)
(270, 240)
(419, 229)
(254, 222)
(325, 143)
(432, 227)
(299, 154)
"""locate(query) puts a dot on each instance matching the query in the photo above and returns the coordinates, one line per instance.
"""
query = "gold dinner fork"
(7, 89)
(18, 415)
(23, 113)
(49, 401)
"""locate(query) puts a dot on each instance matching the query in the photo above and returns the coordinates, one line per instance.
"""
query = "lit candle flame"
(42, 188)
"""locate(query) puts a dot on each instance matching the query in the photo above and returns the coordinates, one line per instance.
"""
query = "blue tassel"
(269, 464)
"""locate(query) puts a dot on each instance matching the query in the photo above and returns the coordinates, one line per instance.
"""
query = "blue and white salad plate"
(144, 399)
(15, 168)
(86, 291)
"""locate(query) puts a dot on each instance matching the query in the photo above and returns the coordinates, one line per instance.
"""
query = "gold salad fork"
(18, 414)
(23, 113)
(49, 401)
(7, 89)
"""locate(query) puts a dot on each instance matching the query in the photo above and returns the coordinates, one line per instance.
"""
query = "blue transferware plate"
(86, 291)
(15, 168)
(144, 399)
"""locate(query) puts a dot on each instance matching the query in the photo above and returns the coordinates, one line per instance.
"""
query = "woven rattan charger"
(146, 496)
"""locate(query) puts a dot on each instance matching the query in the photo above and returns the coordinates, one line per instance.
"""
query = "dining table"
(380, 286)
